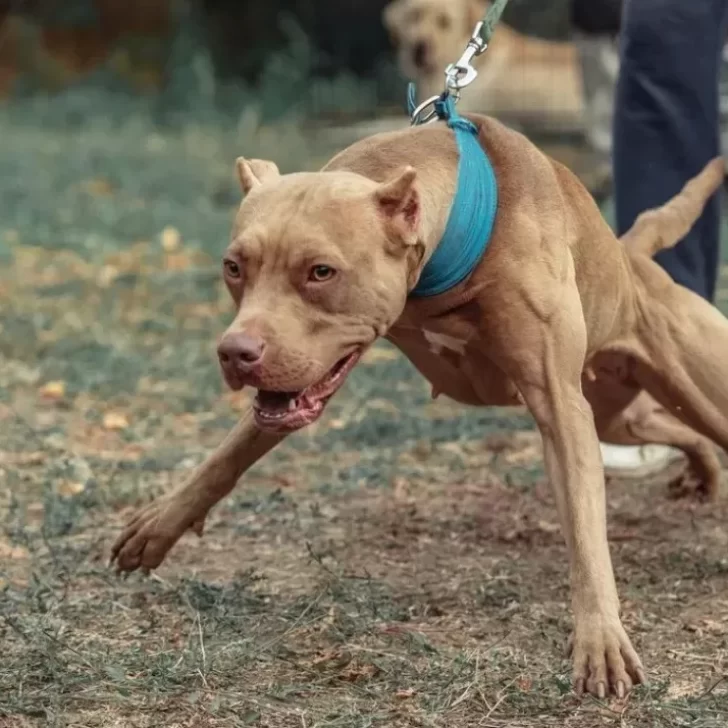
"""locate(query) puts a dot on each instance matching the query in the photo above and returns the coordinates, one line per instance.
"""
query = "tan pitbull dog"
(321, 264)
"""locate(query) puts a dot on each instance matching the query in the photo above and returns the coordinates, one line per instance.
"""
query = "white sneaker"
(637, 461)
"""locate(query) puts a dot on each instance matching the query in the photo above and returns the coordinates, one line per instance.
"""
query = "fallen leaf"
(99, 187)
(284, 481)
(179, 261)
(46, 418)
(530, 453)
(171, 239)
(456, 448)
(69, 488)
(8, 551)
(115, 421)
(107, 275)
(53, 390)
(548, 527)
(392, 629)
(23, 458)
(713, 627)
(524, 683)
(359, 672)
(401, 489)
(331, 658)
(384, 405)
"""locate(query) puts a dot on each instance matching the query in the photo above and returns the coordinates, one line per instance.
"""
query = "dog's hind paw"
(688, 484)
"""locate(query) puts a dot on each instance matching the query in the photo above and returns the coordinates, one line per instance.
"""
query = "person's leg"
(595, 25)
(597, 17)
(666, 128)
(598, 58)
(666, 121)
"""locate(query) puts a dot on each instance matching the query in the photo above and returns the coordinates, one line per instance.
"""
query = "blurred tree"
(346, 33)
(51, 43)
(56, 40)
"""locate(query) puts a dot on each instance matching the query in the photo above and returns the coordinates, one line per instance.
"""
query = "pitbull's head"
(319, 266)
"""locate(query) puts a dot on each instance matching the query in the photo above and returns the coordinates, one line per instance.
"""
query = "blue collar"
(472, 215)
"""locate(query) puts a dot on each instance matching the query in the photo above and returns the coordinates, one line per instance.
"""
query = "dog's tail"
(663, 227)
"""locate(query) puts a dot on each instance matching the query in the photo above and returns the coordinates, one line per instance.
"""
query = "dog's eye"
(443, 21)
(231, 268)
(321, 273)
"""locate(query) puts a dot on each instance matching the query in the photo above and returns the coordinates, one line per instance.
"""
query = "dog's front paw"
(152, 532)
(604, 660)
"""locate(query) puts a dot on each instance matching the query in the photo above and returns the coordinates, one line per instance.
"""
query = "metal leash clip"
(425, 112)
(462, 73)
(458, 75)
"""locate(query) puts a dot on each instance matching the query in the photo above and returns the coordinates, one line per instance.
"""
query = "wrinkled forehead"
(306, 206)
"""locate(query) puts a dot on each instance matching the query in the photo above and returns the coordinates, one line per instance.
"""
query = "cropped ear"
(254, 172)
(400, 203)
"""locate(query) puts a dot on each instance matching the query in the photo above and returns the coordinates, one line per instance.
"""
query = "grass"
(397, 564)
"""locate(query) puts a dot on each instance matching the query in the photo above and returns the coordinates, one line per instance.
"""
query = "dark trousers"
(596, 17)
(666, 124)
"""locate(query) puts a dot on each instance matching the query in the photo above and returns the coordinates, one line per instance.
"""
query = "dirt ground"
(398, 564)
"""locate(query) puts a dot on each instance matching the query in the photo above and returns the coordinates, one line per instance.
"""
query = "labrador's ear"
(255, 172)
(392, 16)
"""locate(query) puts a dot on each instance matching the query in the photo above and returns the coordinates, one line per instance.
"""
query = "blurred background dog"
(522, 78)
(518, 75)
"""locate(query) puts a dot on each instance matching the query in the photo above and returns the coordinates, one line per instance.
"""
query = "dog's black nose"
(419, 54)
(241, 350)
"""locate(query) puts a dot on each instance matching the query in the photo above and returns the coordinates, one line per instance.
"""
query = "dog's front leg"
(153, 531)
(542, 345)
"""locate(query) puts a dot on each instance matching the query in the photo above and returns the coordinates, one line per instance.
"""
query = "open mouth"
(289, 411)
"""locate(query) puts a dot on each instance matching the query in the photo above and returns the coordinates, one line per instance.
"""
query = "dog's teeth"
(291, 405)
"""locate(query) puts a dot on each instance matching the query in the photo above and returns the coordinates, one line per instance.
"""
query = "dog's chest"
(454, 367)
(444, 344)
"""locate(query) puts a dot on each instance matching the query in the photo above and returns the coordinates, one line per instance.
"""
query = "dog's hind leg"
(680, 350)
(679, 353)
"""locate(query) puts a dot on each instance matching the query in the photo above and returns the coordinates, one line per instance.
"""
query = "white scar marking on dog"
(438, 342)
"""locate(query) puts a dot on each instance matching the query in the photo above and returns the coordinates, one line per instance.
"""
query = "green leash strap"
(491, 19)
